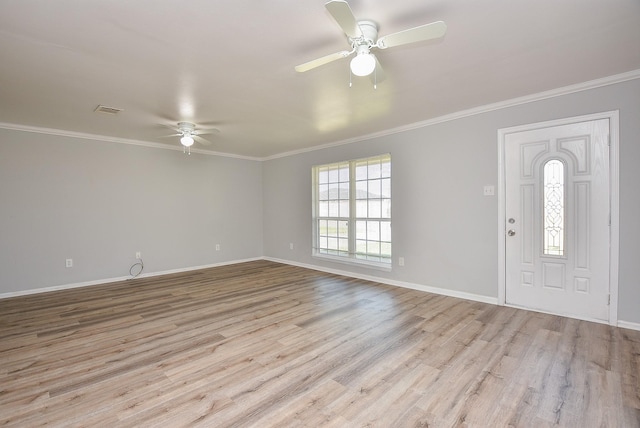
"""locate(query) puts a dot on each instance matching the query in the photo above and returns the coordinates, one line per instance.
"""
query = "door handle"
(511, 232)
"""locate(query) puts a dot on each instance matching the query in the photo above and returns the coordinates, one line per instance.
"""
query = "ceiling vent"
(108, 110)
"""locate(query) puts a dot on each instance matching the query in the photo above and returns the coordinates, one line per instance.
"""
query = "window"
(553, 208)
(352, 210)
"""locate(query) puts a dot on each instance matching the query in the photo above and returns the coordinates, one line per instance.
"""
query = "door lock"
(511, 232)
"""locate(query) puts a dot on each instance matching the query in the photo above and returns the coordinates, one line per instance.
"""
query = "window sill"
(354, 262)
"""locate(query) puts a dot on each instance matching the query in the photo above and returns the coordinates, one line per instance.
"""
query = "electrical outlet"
(68, 263)
(489, 190)
(400, 261)
(217, 247)
(138, 255)
(291, 245)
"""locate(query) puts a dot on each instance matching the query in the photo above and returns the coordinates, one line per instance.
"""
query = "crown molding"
(565, 90)
(108, 139)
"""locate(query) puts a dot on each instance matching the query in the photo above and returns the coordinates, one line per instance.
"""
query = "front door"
(557, 218)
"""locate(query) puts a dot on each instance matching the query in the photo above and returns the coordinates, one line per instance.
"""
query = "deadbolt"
(512, 220)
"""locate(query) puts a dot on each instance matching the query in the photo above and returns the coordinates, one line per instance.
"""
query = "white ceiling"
(230, 64)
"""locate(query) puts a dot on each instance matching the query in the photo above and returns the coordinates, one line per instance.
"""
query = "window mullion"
(352, 208)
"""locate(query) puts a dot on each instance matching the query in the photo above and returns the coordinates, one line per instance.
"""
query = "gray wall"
(99, 202)
(442, 224)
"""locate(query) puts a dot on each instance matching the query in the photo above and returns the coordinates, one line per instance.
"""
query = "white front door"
(557, 218)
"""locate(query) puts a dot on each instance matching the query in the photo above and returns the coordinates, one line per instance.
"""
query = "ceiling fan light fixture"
(363, 64)
(186, 140)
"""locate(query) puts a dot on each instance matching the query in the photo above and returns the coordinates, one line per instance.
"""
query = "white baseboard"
(62, 287)
(119, 278)
(435, 290)
(413, 286)
(629, 325)
(187, 269)
(419, 287)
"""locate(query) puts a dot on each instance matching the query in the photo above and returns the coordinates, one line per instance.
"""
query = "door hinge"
(608, 299)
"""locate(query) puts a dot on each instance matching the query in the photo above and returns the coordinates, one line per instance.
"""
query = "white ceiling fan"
(363, 36)
(189, 134)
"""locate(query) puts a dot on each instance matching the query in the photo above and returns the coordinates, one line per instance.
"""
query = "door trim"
(614, 231)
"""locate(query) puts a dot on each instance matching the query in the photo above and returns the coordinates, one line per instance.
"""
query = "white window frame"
(343, 248)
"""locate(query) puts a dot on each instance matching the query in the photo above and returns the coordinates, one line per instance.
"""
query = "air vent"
(108, 110)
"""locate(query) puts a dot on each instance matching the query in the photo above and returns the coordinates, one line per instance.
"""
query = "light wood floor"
(268, 345)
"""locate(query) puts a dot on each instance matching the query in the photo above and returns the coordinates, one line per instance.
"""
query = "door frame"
(614, 231)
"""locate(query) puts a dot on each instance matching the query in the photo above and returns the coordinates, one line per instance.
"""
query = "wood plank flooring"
(262, 344)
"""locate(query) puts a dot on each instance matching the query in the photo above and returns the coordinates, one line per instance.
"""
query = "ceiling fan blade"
(321, 61)
(206, 131)
(343, 15)
(171, 127)
(211, 130)
(412, 35)
(378, 74)
(201, 140)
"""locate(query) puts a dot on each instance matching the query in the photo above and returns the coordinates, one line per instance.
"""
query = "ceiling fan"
(363, 36)
(189, 134)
